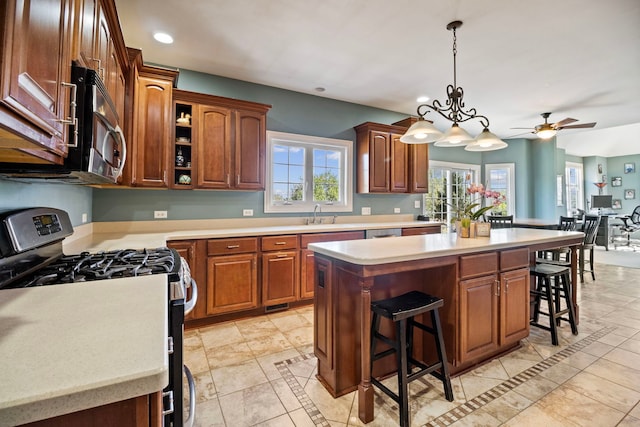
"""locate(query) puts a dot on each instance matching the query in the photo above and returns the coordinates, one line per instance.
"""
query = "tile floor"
(261, 372)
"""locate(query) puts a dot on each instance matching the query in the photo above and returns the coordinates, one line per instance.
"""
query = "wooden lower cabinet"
(416, 231)
(232, 283)
(494, 313)
(514, 306)
(478, 317)
(193, 251)
(307, 270)
(279, 277)
(141, 411)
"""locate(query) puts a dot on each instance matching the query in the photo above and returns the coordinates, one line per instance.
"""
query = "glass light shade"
(421, 132)
(486, 141)
(454, 137)
(546, 133)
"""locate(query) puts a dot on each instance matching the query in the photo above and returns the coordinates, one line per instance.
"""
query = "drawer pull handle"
(233, 246)
(282, 255)
(280, 243)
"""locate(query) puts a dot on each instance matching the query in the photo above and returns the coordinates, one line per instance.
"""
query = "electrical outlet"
(160, 214)
(396, 210)
(416, 204)
(84, 217)
(247, 212)
(366, 211)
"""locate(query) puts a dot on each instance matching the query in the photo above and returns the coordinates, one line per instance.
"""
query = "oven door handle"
(189, 305)
(192, 397)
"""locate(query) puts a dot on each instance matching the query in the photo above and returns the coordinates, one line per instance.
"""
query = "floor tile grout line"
(485, 398)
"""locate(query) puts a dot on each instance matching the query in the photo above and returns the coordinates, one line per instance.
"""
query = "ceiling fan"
(546, 130)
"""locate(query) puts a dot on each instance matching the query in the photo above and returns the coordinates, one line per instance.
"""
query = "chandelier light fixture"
(423, 131)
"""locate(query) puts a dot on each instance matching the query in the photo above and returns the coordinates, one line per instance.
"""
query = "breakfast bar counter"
(484, 283)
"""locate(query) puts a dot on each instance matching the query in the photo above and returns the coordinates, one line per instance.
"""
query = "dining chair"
(500, 221)
(565, 223)
(590, 230)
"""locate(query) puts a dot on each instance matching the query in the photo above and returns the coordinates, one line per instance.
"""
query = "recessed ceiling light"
(422, 99)
(163, 38)
(320, 89)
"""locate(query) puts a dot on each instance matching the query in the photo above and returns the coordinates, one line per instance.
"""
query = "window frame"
(310, 142)
(580, 202)
(510, 196)
(450, 167)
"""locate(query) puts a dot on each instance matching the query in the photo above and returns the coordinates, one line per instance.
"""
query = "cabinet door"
(35, 63)
(478, 317)
(187, 250)
(323, 313)
(152, 132)
(379, 153)
(307, 273)
(514, 306)
(250, 148)
(232, 283)
(279, 277)
(102, 41)
(86, 33)
(419, 168)
(213, 146)
(399, 165)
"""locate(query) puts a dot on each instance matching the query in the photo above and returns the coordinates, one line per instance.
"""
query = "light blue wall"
(630, 181)
(75, 199)
(536, 165)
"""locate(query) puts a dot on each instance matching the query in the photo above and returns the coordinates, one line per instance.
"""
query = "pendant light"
(423, 131)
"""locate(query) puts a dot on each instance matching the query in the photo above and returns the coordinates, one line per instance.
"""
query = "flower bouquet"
(470, 207)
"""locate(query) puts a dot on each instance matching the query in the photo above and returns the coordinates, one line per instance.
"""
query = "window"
(303, 171)
(447, 188)
(501, 178)
(575, 191)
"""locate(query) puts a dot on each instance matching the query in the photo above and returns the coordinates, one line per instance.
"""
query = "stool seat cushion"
(545, 269)
(406, 305)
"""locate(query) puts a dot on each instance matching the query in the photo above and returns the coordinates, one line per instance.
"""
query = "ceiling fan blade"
(581, 126)
(523, 128)
(564, 122)
(519, 134)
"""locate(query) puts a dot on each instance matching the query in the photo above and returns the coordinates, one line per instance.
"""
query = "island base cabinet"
(514, 306)
(232, 283)
(141, 411)
(478, 317)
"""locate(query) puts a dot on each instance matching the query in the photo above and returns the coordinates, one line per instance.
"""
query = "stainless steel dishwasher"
(382, 232)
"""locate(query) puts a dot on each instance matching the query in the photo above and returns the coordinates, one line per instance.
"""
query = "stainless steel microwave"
(97, 147)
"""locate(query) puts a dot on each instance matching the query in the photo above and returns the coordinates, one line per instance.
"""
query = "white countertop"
(142, 237)
(409, 248)
(70, 347)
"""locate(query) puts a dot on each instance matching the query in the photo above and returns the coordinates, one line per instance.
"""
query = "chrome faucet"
(316, 209)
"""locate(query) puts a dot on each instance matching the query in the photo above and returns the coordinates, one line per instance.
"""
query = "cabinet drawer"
(277, 243)
(305, 239)
(514, 258)
(478, 265)
(232, 246)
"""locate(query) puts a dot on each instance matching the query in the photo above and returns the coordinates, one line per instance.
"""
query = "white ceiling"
(516, 58)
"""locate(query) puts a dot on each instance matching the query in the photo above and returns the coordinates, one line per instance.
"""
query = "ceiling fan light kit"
(452, 110)
(548, 130)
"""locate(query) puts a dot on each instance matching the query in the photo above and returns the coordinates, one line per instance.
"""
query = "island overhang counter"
(484, 283)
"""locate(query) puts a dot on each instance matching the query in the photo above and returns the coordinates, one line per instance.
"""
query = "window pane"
(287, 173)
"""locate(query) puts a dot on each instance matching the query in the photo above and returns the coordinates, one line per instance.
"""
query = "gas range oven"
(31, 255)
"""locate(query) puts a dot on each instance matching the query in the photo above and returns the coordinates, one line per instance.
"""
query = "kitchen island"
(484, 283)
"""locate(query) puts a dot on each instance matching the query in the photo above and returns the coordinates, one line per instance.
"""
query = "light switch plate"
(247, 212)
(416, 204)
(396, 210)
(366, 211)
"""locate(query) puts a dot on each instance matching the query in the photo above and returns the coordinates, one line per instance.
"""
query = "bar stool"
(401, 310)
(553, 284)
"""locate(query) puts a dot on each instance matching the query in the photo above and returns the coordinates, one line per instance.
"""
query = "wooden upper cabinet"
(213, 147)
(399, 165)
(250, 149)
(152, 128)
(85, 33)
(35, 63)
(387, 165)
(229, 141)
